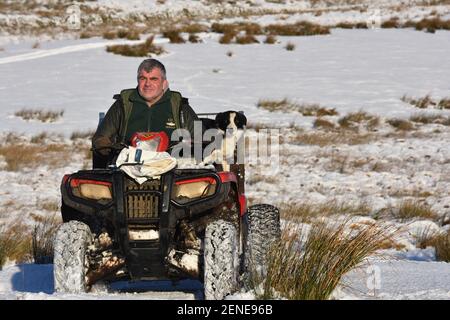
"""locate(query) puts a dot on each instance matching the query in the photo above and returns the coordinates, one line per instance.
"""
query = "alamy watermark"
(73, 17)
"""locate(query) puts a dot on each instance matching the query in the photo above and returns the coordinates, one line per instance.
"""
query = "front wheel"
(221, 261)
(70, 257)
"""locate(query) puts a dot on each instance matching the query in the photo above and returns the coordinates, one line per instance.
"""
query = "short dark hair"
(150, 64)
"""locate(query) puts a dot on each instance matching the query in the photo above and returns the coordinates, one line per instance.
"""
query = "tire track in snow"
(68, 49)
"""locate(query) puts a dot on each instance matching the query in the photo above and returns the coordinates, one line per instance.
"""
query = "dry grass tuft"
(309, 265)
(324, 124)
(306, 211)
(173, 36)
(193, 38)
(400, 124)
(139, 50)
(270, 39)
(332, 138)
(427, 102)
(82, 135)
(290, 46)
(359, 119)
(301, 28)
(43, 234)
(20, 156)
(15, 243)
(440, 241)
(307, 110)
(430, 118)
(410, 209)
(246, 39)
(40, 115)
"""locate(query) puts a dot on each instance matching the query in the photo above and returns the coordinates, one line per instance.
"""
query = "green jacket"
(114, 127)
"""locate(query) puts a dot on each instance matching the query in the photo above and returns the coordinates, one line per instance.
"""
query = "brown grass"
(193, 38)
(400, 124)
(306, 211)
(410, 209)
(427, 102)
(246, 39)
(332, 138)
(270, 39)
(20, 156)
(15, 243)
(82, 135)
(430, 118)
(301, 28)
(310, 266)
(43, 234)
(290, 46)
(173, 36)
(139, 50)
(40, 115)
(359, 119)
(440, 241)
(351, 25)
(324, 124)
(227, 38)
(307, 110)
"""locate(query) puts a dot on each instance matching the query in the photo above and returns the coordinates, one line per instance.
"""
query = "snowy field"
(348, 70)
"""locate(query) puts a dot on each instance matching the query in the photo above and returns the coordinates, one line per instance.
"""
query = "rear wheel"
(221, 262)
(70, 259)
(263, 230)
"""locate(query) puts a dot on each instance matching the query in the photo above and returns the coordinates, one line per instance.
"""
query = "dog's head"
(231, 120)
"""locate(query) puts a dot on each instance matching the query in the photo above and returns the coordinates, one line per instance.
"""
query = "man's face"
(151, 84)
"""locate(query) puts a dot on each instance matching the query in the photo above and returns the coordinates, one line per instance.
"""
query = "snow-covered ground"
(349, 70)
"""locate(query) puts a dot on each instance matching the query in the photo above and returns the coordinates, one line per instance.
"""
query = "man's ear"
(165, 85)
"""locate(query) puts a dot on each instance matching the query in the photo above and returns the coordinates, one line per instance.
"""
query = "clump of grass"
(82, 135)
(246, 39)
(306, 211)
(42, 239)
(440, 241)
(430, 118)
(351, 25)
(301, 28)
(309, 265)
(193, 28)
(40, 115)
(39, 138)
(173, 36)
(432, 24)
(139, 50)
(286, 105)
(391, 23)
(410, 209)
(193, 38)
(250, 28)
(227, 38)
(15, 243)
(427, 102)
(400, 124)
(290, 46)
(324, 124)
(332, 138)
(355, 120)
(20, 156)
(270, 39)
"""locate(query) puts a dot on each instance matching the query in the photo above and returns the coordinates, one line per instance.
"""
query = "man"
(151, 107)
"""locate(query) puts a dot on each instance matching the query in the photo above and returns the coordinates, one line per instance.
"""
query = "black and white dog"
(231, 126)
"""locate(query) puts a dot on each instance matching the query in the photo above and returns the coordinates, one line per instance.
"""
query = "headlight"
(193, 189)
(91, 189)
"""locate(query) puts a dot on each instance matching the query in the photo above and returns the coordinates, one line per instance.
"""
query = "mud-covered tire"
(70, 264)
(263, 230)
(221, 262)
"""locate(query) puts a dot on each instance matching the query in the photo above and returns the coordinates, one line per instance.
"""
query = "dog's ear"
(221, 120)
(240, 120)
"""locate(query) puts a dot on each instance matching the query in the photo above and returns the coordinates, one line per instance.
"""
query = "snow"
(349, 70)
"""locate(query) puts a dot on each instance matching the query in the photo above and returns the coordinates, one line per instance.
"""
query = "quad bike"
(186, 223)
